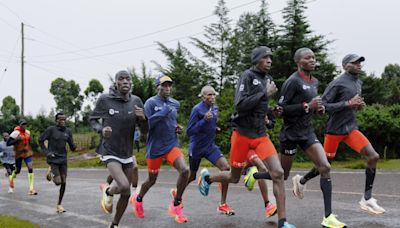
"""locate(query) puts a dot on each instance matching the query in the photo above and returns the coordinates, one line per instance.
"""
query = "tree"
(188, 76)
(251, 30)
(67, 97)
(295, 33)
(93, 91)
(10, 114)
(142, 84)
(391, 71)
(216, 43)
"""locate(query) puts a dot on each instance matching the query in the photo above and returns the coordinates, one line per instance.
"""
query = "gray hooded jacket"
(119, 114)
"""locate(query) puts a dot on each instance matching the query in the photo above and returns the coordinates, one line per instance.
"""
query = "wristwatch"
(306, 107)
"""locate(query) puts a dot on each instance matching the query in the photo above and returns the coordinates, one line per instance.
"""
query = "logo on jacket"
(256, 82)
(305, 87)
(241, 87)
(112, 111)
(156, 108)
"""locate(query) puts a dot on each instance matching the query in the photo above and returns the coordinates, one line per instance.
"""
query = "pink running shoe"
(177, 212)
(138, 210)
(270, 210)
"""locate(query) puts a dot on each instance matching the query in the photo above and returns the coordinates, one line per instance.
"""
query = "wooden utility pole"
(22, 70)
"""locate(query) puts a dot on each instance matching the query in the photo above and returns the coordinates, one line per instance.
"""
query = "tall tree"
(188, 75)
(296, 33)
(216, 43)
(10, 114)
(67, 97)
(251, 30)
(391, 71)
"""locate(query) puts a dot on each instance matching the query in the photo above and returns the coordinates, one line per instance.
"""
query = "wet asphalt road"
(82, 199)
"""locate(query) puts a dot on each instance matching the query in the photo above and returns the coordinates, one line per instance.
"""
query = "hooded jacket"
(342, 118)
(251, 104)
(119, 114)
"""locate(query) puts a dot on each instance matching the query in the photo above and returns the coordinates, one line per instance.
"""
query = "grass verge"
(10, 221)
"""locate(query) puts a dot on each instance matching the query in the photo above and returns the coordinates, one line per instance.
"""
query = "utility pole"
(22, 70)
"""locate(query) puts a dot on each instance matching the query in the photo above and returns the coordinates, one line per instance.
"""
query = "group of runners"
(118, 113)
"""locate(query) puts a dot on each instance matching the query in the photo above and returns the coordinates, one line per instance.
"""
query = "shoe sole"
(371, 211)
(272, 214)
(172, 214)
(228, 213)
(333, 227)
(103, 206)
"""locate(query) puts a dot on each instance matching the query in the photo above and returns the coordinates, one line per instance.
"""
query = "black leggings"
(9, 167)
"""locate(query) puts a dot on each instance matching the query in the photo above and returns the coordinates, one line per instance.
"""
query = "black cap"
(351, 58)
(259, 53)
(22, 122)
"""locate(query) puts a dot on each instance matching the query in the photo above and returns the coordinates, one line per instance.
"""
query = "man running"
(7, 157)
(342, 99)
(299, 100)
(251, 106)
(20, 138)
(162, 144)
(56, 154)
(202, 128)
(119, 112)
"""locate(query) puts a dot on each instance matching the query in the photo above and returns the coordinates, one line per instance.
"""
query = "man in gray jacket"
(119, 111)
(7, 157)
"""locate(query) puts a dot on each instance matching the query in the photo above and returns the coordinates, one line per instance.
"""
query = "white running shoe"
(10, 190)
(371, 206)
(298, 188)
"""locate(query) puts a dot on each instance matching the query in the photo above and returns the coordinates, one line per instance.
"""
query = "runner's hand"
(139, 113)
(315, 103)
(179, 129)
(271, 88)
(107, 132)
(208, 116)
(356, 101)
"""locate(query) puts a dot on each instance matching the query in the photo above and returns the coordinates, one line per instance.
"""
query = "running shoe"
(172, 192)
(288, 225)
(270, 210)
(177, 213)
(10, 190)
(106, 200)
(60, 209)
(225, 209)
(371, 206)
(138, 210)
(204, 187)
(332, 222)
(298, 188)
(113, 226)
(48, 174)
(32, 192)
(249, 180)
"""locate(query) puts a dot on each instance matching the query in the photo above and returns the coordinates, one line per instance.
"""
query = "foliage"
(11, 221)
(67, 97)
(10, 114)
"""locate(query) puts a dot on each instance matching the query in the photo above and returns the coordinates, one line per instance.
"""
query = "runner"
(135, 175)
(299, 100)
(119, 112)
(251, 106)
(20, 138)
(162, 144)
(56, 154)
(202, 128)
(342, 99)
(7, 156)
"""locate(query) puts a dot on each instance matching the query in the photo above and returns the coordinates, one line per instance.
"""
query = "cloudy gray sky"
(81, 40)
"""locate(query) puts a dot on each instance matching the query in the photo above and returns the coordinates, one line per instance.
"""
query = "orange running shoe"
(225, 209)
(177, 212)
(138, 210)
(270, 210)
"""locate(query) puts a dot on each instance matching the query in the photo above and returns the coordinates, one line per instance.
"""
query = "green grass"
(10, 221)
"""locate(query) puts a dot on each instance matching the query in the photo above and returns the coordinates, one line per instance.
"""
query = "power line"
(118, 52)
(150, 33)
(9, 60)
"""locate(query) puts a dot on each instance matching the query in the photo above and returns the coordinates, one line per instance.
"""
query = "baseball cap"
(22, 122)
(164, 78)
(351, 58)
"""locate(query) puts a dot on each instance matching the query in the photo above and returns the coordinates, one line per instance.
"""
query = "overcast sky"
(81, 40)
